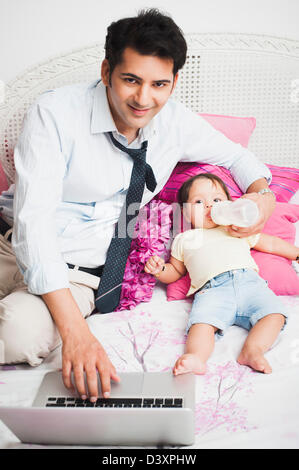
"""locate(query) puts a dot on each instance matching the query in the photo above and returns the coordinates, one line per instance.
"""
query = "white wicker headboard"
(232, 74)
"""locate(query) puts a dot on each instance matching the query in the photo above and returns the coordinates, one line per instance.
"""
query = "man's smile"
(138, 111)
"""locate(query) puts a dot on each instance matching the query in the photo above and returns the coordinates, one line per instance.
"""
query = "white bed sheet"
(235, 406)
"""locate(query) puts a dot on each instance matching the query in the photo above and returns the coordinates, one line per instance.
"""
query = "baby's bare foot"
(189, 363)
(255, 360)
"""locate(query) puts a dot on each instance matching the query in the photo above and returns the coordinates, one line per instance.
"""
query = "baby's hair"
(184, 190)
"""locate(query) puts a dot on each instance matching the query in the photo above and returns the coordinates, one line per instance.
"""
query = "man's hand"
(83, 352)
(266, 205)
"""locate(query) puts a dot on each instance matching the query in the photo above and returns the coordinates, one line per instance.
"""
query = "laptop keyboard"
(116, 402)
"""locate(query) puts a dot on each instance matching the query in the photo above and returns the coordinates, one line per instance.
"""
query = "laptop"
(144, 409)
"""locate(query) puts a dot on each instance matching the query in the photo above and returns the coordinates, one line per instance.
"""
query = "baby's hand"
(154, 265)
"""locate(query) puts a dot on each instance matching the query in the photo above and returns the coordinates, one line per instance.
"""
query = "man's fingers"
(105, 381)
(92, 382)
(114, 376)
(241, 232)
(79, 381)
(92, 390)
(105, 375)
(236, 230)
(66, 374)
(85, 356)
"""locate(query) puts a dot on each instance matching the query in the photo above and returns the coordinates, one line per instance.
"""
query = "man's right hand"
(82, 352)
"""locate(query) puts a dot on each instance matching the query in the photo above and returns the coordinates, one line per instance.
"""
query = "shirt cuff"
(48, 278)
(255, 169)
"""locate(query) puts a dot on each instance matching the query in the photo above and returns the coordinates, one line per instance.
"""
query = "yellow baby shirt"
(209, 252)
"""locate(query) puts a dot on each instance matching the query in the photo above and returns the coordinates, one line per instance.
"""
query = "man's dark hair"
(149, 33)
(184, 190)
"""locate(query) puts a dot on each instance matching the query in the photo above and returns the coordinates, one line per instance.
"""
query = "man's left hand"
(266, 205)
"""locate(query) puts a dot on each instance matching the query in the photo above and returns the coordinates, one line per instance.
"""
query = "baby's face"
(203, 194)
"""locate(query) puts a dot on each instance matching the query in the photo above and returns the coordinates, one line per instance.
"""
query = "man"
(72, 182)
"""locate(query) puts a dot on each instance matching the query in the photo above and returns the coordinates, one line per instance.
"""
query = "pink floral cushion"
(152, 233)
(278, 271)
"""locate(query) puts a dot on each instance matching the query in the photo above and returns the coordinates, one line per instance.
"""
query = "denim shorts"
(238, 297)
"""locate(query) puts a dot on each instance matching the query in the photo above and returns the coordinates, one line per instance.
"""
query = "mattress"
(236, 407)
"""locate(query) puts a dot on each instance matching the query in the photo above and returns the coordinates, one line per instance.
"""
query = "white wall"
(31, 31)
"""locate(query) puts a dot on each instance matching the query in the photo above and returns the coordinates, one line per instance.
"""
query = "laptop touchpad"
(130, 385)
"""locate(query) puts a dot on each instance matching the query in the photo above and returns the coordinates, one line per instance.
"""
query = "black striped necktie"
(108, 294)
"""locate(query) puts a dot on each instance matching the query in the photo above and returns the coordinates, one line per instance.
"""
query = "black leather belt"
(95, 271)
(4, 227)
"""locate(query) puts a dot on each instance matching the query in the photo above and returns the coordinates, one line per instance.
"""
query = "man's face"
(140, 86)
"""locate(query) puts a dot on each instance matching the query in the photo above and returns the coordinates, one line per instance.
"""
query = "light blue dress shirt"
(71, 181)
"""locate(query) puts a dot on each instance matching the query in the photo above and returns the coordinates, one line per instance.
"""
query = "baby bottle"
(241, 212)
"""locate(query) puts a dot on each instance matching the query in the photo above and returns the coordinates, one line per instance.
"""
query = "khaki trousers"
(27, 330)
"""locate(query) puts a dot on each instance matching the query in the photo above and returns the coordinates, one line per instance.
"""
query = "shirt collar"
(149, 130)
(101, 117)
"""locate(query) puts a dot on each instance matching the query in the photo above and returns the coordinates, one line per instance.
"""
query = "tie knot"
(137, 154)
(139, 157)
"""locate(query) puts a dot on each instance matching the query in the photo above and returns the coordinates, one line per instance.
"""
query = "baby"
(224, 278)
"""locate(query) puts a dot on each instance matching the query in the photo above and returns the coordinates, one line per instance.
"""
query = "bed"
(225, 74)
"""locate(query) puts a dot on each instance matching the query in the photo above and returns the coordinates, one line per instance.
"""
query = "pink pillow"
(285, 180)
(278, 271)
(178, 290)
(3, 180)
(152, 233)
(237, 129)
